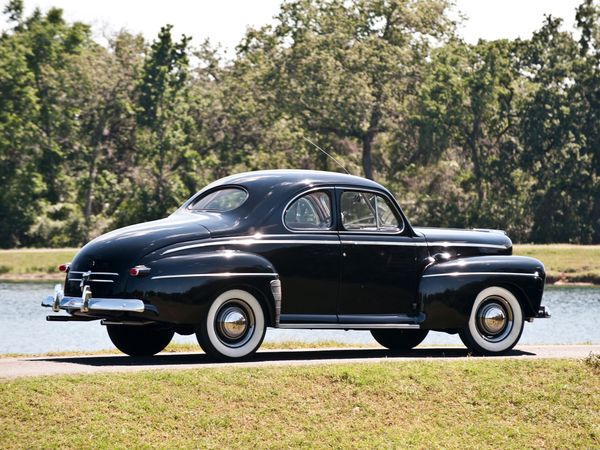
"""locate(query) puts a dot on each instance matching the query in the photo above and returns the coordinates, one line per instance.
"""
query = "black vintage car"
(298, 249)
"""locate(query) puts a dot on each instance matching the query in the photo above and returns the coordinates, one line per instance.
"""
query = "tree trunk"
(474, 147)
(369, 137)
(367, 144)
(89, 193)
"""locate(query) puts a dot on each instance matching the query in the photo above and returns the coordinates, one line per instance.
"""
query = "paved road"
(44, 366)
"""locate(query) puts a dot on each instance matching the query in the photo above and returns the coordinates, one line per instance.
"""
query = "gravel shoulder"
(45, 366)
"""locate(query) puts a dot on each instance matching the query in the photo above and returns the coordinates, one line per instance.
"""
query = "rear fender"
(447, 290)
(182, 287)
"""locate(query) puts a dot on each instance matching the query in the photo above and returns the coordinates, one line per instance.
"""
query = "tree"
(344, 69)
(21, 182)
(558, 120)
(161, 144)
(469, 101)
(34, 54)
(103, 96)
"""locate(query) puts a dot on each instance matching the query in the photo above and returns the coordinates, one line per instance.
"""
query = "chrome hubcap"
(494, 319)
(234, 324)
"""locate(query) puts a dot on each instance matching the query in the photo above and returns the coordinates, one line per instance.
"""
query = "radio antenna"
(323, 151)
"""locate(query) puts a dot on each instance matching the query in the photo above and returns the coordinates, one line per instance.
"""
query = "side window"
(222, 200)
(367, 211)
(312, 211)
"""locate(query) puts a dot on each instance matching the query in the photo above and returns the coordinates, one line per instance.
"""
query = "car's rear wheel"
(399, 339)
(234, 326)
(495, 324)
(142, 340)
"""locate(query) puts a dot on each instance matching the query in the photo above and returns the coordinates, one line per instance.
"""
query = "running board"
(351, 326)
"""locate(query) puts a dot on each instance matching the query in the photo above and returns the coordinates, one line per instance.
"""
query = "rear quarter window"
(221, 200)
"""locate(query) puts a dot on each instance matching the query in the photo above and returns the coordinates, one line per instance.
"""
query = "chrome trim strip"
(94, 280)
(266, 239)
(250, 241)
(221, 274)
(399, 243)
(465, 244)
(350, 326)
(97, 273)
(458, 274)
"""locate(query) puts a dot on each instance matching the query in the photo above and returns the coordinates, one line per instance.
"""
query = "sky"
(226, 21)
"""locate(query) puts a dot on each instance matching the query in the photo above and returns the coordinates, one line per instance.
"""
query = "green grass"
(432, 404)
(570, 263)
(32, 263)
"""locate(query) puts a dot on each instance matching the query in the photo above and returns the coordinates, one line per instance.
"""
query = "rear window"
(222, 200)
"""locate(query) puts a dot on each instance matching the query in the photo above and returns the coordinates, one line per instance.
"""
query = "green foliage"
(501, 134)
(346, 71)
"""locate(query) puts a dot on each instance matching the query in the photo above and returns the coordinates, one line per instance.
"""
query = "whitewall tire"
(495, 324)
(234, 326)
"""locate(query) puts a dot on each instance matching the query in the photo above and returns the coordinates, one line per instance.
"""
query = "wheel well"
(521, 297)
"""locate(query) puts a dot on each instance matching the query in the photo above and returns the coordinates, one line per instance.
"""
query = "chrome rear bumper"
(87, 303)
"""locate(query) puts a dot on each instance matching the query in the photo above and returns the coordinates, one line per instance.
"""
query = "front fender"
(182, 287)
(447, 290)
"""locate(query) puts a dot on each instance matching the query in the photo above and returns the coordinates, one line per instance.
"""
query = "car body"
(298, 249)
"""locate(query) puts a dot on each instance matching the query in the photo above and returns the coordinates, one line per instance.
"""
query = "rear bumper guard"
(543, 313)
(88, 304)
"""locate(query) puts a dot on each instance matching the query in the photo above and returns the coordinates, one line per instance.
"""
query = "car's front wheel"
(495, 324)
(234, 326)
(142, 340)
(399, 339)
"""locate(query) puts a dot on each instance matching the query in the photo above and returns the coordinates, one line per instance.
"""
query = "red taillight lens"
(138, 270)
(64, 267)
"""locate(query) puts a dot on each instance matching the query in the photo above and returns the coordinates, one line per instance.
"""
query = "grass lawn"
(430, 404)
(29, 263)
(571, 263)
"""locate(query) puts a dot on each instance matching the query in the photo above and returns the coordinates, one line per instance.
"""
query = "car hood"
(471, 237)
(122, 248)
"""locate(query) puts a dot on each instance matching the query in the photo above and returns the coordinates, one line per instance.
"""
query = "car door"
(309, 263)
(379, 268)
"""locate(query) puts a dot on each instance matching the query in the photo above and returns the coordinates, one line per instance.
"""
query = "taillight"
(139, 270)
(64, 267)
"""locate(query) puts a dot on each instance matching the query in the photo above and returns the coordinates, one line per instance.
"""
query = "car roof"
(292, 179)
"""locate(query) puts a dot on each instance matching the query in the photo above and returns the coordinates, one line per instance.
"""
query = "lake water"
(24, 329)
